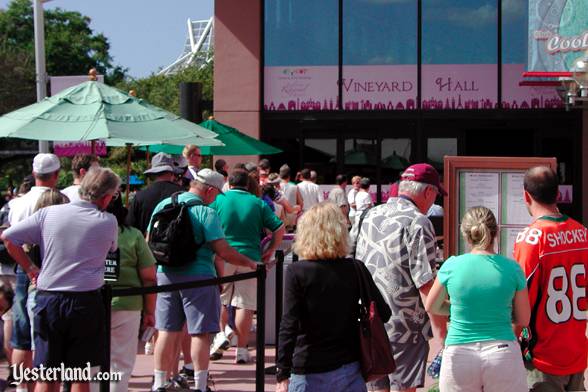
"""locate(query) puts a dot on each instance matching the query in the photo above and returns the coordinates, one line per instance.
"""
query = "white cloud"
(512, 9)
(483, 15)
(384, 2)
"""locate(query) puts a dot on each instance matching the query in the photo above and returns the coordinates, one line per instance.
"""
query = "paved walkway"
(227, 376)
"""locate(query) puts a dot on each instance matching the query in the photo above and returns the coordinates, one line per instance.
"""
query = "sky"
(144, 35)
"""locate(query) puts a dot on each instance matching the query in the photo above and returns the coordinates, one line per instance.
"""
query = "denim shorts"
(69, 329)
(21, 324)
(199, 307)
(346, 378)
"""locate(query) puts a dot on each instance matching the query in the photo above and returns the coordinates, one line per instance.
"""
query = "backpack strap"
(190, 203)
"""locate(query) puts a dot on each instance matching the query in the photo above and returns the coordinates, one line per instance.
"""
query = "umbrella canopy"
(93, 110)
(235, 143)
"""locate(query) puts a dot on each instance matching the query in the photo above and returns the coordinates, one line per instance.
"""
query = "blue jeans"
(346, 378)
(21, 325)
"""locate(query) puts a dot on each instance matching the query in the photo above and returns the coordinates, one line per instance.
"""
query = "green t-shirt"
(207, 228)
(134, 255)
(243, 217)
(481, 289)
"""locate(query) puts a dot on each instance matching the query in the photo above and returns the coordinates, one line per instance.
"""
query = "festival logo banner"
(558, 34)
(301, 88)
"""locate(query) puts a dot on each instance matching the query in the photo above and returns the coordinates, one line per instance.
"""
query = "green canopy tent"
(235, 143)
(93, 110)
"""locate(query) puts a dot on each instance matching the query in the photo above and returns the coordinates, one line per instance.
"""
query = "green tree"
(72, 48)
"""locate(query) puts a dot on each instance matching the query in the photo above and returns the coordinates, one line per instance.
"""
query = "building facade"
(364, 87)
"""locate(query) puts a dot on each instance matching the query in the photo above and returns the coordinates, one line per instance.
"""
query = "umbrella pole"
(93, 147)
(128, 175)
(148, 156)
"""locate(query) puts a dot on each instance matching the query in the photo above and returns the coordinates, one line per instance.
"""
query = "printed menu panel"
(514, 210)
(479, 189)
(508, 236)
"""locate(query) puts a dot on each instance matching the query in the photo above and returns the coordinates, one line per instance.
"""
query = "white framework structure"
(198, 47)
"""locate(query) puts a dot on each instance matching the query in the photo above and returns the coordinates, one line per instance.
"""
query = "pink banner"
(525, 97)
(379, 87)
(301, 88)
(459, 86)
(394, 87)
(69, 149)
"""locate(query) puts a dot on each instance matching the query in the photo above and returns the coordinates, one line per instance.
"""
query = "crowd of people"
(478, 303)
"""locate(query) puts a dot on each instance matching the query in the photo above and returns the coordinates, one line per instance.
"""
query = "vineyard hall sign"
(558, 34)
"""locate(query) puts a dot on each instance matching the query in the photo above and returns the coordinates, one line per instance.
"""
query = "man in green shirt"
(244, 219)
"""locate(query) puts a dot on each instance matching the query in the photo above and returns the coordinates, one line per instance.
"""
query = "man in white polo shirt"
(310, 192)
(46, 172)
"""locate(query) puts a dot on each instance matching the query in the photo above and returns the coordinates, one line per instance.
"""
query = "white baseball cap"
(211, 178)
(46, 163)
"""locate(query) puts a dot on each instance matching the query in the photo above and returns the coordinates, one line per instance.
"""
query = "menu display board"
(492, 182)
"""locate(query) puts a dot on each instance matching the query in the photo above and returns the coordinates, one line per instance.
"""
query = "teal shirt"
(243, 217)
(481, 290)
(207, 228)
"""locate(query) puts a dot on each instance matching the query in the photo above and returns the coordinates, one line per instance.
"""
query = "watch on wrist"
(282, 374)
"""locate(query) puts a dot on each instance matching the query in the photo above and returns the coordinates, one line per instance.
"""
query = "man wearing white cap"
(46, 172)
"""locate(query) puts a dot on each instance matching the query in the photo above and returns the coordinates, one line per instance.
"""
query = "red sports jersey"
(553, 253)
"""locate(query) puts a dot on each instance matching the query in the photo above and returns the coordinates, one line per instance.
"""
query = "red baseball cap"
(425, 173)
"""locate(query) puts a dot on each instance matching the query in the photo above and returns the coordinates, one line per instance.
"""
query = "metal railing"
(259, 274)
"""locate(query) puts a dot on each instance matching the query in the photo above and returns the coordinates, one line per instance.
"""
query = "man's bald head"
(541, 183)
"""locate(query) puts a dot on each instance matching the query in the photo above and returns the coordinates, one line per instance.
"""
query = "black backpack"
(171, 236)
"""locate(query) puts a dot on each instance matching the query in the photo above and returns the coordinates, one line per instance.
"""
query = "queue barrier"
(260, 274)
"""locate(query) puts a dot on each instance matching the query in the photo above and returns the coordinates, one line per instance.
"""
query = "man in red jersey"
(553, 252)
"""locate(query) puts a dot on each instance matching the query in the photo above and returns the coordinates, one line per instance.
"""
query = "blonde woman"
(487, 293)
(319, 340)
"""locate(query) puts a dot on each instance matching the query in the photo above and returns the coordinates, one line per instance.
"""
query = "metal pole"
(279, 294)
(40, 69)
(107, 292)
(260, 336)
(279, 301)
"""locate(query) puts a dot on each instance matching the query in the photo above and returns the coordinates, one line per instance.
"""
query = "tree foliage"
(71, 47)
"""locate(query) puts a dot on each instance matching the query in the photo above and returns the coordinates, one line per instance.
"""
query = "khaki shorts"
(543, 382)
(241, 294)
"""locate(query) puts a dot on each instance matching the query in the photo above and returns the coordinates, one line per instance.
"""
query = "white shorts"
(491, 366)
(241, 294)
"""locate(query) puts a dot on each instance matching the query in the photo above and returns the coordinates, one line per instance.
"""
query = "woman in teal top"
(487, 294)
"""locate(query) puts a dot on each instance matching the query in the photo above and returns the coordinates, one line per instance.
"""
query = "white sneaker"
(242, 355)
(220, 342)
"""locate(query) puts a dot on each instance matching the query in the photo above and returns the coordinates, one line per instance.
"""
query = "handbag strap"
(362, 283)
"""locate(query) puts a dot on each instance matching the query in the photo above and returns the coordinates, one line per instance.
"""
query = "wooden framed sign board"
(492, 182)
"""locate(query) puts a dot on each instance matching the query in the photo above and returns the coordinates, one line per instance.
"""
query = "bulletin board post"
(492, 182)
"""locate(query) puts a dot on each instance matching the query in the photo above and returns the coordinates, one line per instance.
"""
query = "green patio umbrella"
(93, 110)
(235, 143)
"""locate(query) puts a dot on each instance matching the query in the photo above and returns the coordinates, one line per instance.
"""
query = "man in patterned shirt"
(396, 241)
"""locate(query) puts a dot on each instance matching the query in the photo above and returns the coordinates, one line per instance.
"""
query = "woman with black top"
(319, 332)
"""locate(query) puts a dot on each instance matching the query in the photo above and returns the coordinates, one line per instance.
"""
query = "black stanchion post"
(107, 292)
(279, 294)
(260, 354)
(279, 301)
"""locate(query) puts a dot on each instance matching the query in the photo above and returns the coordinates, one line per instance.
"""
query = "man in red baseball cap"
(397, 243)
